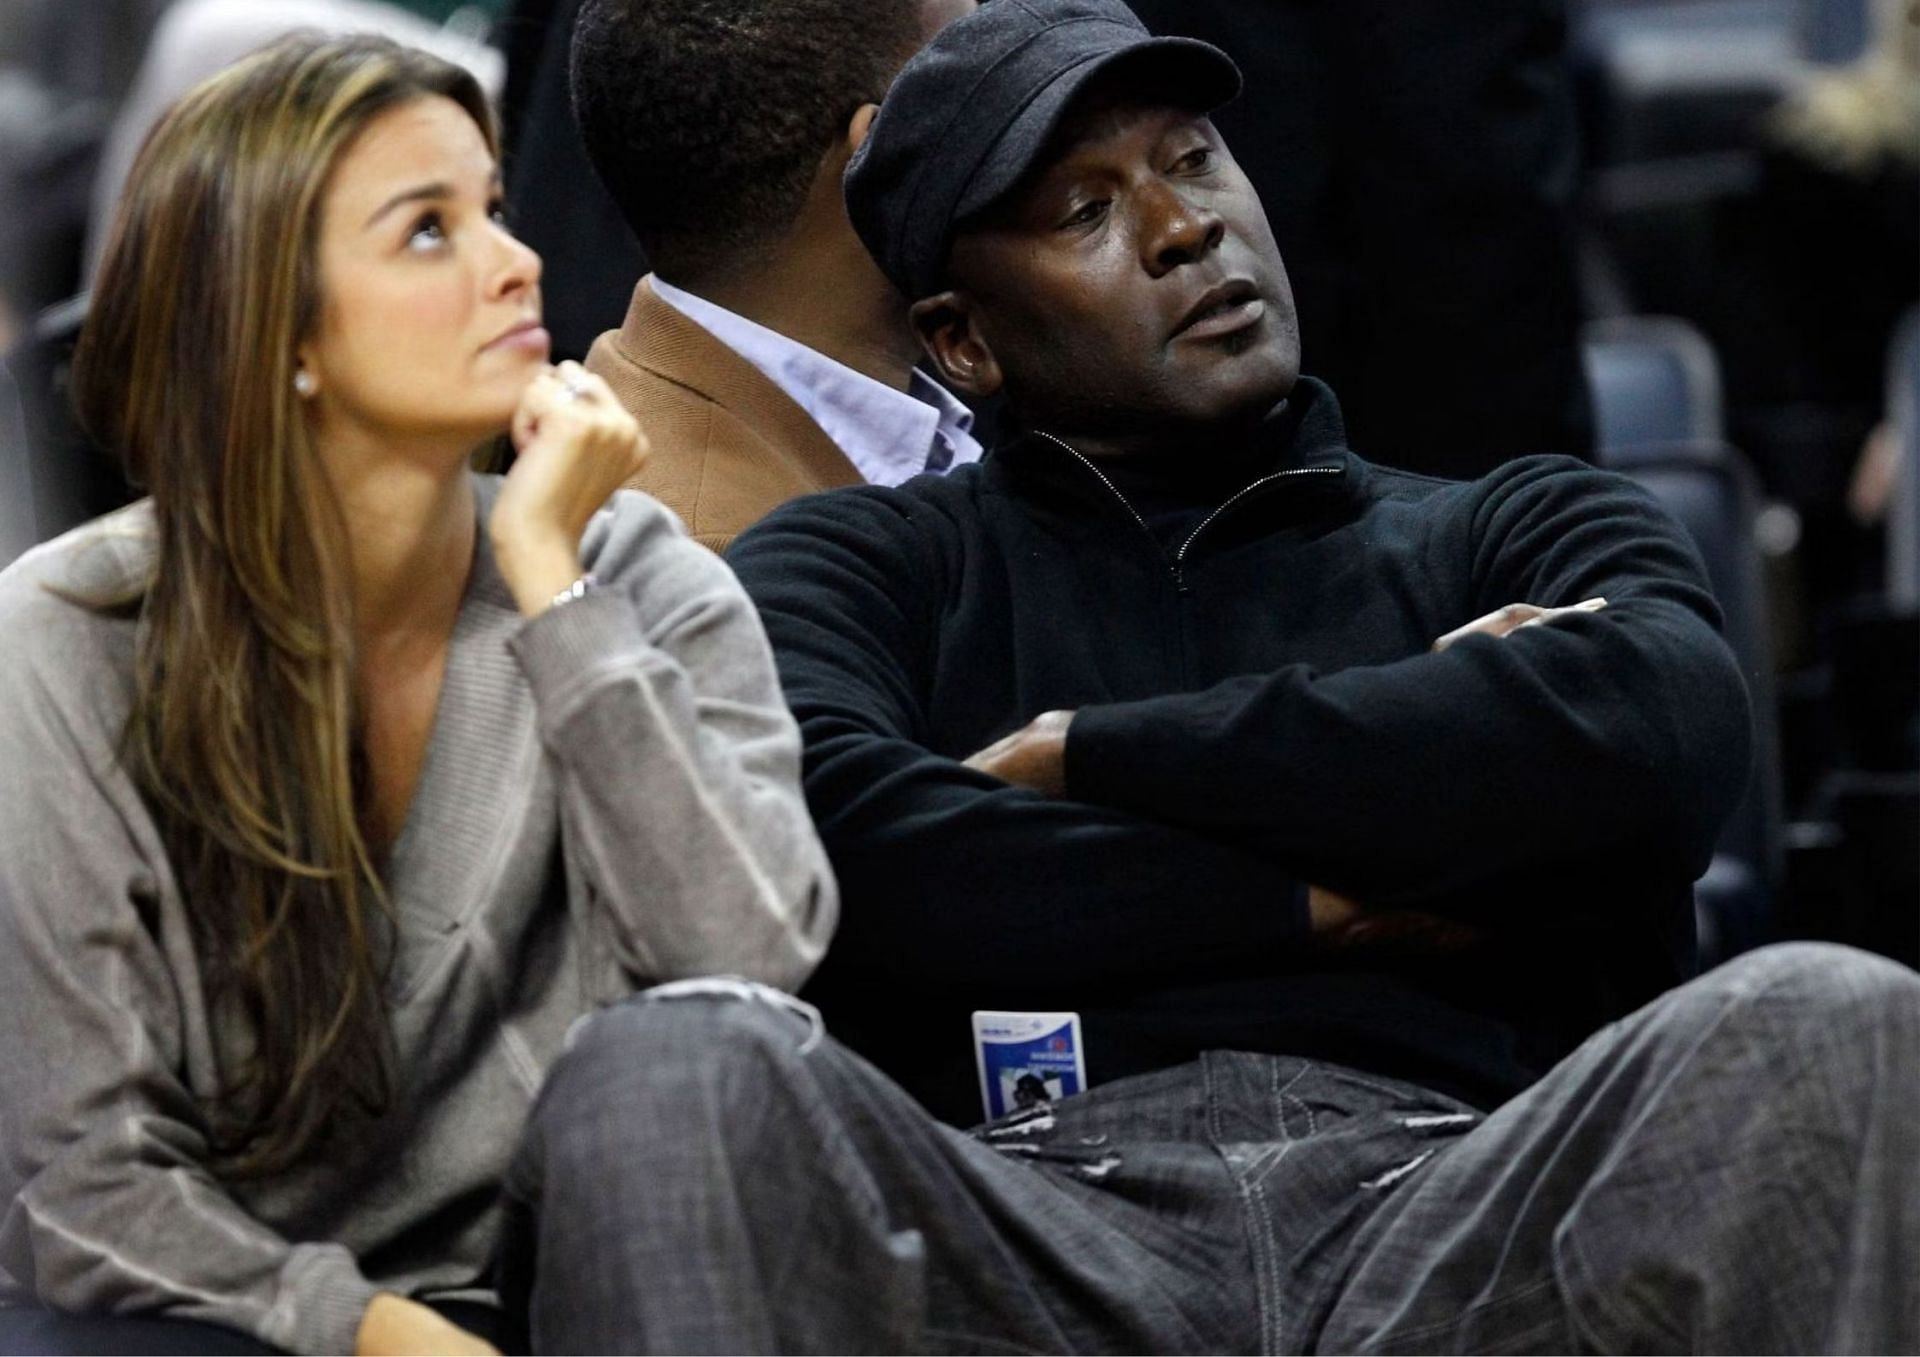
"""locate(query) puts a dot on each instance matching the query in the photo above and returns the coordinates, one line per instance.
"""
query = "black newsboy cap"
(971, 113)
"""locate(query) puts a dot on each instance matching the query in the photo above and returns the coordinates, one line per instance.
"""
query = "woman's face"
(429, 322)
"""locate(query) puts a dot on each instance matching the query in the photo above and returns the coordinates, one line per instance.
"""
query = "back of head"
(242, 733)
(707, 119)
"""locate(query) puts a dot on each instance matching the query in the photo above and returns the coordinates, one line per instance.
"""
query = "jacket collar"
(1305, 432)
(660, 340)
(890, 434)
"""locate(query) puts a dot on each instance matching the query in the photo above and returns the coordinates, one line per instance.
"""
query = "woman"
(342, 780)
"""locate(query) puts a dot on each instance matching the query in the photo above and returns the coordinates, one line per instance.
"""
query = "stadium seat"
(1675, 82)
(1903, 510)
(1873, 873)
(1673, 96)
(1710, 490)
(71, 479)
(1655, 383)
(16, 480)
(1657, 412)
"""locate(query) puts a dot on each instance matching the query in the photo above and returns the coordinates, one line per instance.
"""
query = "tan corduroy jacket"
(728, 445)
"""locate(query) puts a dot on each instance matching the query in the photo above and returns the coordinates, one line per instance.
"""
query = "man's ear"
(859, 125)
(951, 336)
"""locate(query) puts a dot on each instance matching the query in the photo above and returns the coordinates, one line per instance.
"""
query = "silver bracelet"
(580, 588)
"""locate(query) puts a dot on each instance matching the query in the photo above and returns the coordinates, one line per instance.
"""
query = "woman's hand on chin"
(576, 446)
(397, 1327)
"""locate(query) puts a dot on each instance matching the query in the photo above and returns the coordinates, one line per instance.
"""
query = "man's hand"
(1328, 913)
(1515, 616)
(397, 1327)
(1035, 756)
(1346, 925)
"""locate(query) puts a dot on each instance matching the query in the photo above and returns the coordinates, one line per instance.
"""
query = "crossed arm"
(1502, 751)
(1035, 757)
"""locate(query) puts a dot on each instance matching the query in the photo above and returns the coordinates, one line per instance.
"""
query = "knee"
(1835, 999)
(692, 1056)
(1824, 978)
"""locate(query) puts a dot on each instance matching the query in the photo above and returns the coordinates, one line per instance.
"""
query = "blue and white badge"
(1027, 1059)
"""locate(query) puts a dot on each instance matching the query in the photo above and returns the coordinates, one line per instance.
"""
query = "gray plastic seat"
(16, 475)
(1903, 509)
(1682, 80)
(64, 478)
(1655, 383)
(1710, 490)
(1657, 413)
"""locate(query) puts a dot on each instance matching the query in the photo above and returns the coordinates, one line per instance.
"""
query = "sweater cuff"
(1096, 764)
(566, 644)
(323, 1299)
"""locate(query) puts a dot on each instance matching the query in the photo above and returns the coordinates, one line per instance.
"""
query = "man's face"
(1132, 285)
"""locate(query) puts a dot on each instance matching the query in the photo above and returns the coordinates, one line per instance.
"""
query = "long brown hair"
(243, 734)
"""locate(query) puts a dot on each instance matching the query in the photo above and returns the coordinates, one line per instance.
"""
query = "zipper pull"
(1179, 580)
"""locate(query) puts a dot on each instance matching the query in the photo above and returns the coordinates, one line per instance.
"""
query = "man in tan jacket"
(767, 354)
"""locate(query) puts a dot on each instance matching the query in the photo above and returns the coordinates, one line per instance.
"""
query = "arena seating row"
(1835, 859)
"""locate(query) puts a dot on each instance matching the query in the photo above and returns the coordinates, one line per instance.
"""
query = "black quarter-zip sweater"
(1248, 648)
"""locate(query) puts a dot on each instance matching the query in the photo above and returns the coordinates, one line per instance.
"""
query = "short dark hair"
(707, 119)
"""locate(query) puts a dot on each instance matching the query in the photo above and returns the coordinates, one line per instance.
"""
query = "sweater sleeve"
(949, 874)
(1625, 729)
(679, 767)
(110, 1207)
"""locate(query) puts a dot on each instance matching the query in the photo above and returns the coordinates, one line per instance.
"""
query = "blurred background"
(1676, 237)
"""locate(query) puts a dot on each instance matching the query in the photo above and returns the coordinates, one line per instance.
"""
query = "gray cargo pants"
(1734, 1168)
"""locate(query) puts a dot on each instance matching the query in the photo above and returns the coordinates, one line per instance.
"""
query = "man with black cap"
(1307, 815)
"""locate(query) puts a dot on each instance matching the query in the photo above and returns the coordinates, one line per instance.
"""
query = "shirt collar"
(888, 435)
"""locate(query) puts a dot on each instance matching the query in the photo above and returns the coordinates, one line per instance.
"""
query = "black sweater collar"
(1303, 432)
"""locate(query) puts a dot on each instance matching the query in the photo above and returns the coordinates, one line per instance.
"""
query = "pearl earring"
(303, 382)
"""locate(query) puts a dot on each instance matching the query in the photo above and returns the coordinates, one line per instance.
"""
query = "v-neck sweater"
(610, 797)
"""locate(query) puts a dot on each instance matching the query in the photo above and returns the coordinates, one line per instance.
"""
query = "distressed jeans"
(1734, 1168)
